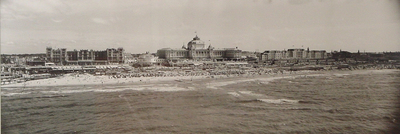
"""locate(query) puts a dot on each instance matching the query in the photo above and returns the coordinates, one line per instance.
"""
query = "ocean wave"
(107, 90)
(14, 94)
(278, 101)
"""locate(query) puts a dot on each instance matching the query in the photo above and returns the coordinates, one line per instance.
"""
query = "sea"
(341, 102)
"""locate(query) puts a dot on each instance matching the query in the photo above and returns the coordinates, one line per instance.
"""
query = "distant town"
(195, 55)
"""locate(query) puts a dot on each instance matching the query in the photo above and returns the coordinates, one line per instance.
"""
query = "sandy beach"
(88, 79)
(178, 83)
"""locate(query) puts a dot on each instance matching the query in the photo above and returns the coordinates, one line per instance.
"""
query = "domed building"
(197, 50)
(196, 43)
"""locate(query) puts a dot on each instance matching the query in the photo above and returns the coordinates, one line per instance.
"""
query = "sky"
(141, 26)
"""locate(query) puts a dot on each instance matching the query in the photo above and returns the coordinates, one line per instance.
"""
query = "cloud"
(57, 20)
(99, 20)
(8, 43)
(27, 9)
(114, 19)
(111, 20)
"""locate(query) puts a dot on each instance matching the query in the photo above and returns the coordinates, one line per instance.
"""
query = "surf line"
(130, 107)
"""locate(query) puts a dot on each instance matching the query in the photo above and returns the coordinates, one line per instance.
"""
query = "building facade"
(274, 55)
(147, 58)
(56, 55)
(21, 59)
(85, 57)
(197, 50)
(115, 56)
(297, 54)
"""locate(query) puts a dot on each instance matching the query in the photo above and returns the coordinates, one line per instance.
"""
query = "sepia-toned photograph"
(200, 66)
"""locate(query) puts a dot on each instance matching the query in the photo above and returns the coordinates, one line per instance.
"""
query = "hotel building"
(197, 50)
(297, 54)
(85, 57)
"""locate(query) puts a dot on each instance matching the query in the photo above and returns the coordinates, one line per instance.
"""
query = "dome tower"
(196, 43)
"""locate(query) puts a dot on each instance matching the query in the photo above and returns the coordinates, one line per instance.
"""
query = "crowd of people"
(229, 71)
(236, 71)
(178, 72)
(378, 67)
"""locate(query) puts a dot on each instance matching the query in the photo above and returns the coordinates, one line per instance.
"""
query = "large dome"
(196, 40)
(196, 43)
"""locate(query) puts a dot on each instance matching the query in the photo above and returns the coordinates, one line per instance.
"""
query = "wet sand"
(360, 101)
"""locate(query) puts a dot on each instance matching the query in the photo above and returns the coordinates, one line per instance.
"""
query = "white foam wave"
(234, 94)
(112, 90)
(65, 91)
(215, 85)
(278, 101)
(340, 75)
(250, 93)
(159, 89)
(264, 98)
(169, 89)
(14, 94)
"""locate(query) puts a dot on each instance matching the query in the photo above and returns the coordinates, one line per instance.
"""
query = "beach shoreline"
(92, 80)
